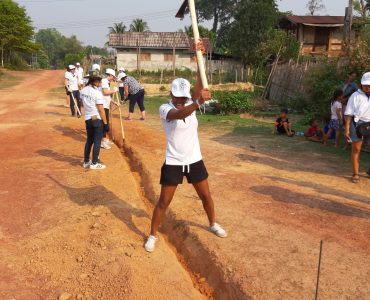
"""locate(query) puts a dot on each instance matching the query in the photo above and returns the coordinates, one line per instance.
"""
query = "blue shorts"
(334, 124)
(353, 134)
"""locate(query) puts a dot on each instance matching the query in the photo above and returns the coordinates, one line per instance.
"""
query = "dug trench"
(201, 265)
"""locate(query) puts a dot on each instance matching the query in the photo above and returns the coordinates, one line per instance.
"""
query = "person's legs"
(355, 157)
(167, 193)
(72, 105)
(287, 128)
(78, 99)
(108, 121)
(140, 102)
(337, 137)
(122, 93)
(327, 136)
(133, 100)
(202, 189)
(89, 141)
(98, 135)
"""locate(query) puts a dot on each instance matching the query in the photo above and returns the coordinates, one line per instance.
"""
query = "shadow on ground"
(72, 160)
(98, 195)
(287, 196)
(76, 134)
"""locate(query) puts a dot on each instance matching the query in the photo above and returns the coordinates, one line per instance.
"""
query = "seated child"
(282, 124)
(314, 133)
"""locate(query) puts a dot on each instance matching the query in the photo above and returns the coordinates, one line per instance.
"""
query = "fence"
(288, 80)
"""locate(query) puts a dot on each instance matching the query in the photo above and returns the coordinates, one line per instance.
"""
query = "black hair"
(337, 94)
(312, 121)
(352, 72)
(92, 80)
(284, 110)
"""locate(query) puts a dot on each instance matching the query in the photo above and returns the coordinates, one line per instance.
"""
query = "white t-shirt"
(182, 138)
(80, 74)
(358, 106)
(334, 107)
(91, 97)
(105, 85)
(72, 81)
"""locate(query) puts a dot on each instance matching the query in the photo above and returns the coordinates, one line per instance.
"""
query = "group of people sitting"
(350, 111)
(93, 93)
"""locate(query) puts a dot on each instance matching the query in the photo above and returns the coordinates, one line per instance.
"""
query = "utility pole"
(347, 28)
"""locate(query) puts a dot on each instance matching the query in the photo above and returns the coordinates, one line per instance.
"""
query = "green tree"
(16, 32)
(95, 51)
(362, 8)
(315, 6)
(52, 42)
(253, 20)
(139, 25)
(203, 32)
(43, 60)
(117, 28)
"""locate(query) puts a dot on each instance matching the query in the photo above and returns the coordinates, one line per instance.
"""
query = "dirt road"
(66, 232)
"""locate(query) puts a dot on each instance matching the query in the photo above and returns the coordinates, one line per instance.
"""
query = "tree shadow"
(76, 134)
(98, 195)
(72, 160)
(287, 196)
(54, 113)
(323, 189)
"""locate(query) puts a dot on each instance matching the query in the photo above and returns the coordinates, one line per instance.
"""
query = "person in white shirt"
(121, 88)
(95, 120)
(71, 84)
(80, 74)
(107, 92)
(183, 156)
(358, 112)
(336, 119)
(68, 94)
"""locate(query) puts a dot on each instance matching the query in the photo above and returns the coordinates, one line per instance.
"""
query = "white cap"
(77, 64)
(122, 69)
(121, 75)
(110, 71)
(95, 67)
(365, 80)
(181, 88)
(71, 67)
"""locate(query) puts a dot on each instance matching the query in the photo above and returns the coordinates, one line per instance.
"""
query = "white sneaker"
(109, 142)
(86, 165)
(105, 145)
(97, 166)
(218, 230)
(150, 243)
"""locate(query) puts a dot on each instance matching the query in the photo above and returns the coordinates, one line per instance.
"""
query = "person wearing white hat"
(71, 85)
(95, 67)
(107, 92)
(121, 71)
(68, 94)
(357, 114)
(80, 74)
(95, 120)
(183, 156)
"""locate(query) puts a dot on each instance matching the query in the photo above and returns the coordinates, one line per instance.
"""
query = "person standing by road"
(120, 84)
(107, 92)
(183, 156)
(95, 120)
(135, 93)
(80, 75)
(357, 113)
(71, 84)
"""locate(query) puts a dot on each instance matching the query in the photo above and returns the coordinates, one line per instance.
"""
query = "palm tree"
(139, 25)
(117, 28)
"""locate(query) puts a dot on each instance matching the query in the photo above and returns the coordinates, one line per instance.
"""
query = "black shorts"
(174, 175)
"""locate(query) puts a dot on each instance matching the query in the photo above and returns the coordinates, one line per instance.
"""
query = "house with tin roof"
(318, 35)
(153, 51)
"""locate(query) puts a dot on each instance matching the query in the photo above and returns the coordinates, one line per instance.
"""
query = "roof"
(317, 20)
(154, 40)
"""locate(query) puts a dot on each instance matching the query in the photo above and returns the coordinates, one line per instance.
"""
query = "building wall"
(155, 59)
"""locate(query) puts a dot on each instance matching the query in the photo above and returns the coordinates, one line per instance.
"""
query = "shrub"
(233, 101)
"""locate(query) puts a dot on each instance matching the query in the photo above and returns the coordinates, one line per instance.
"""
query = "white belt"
(184, 169)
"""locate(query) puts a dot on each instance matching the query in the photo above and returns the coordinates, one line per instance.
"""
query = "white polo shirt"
(105, 85)
(91, 97)
(72, 81)
(80, 74)
(358, 106)
(334, 107)
(182, 137)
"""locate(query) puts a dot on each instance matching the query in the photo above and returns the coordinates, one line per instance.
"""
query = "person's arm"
(66, 83)
(108, 92)
(126, 91)
(348, 124)
(102, 113)
(339, 114)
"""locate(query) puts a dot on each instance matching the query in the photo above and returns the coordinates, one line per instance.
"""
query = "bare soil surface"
(276, 206)
(69, 233)
(66, 232)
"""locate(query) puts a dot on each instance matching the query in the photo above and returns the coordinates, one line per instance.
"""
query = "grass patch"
(7, 81)
(236, 130)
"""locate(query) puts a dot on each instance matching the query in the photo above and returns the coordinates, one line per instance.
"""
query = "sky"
(89, 19)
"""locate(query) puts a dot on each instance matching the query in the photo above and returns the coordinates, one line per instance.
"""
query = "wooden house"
(318, 35)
